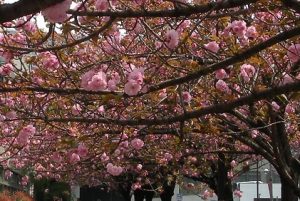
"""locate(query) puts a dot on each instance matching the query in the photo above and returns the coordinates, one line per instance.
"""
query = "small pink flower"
(114, 170)
(137, 143)
(82, 150)
(74, 158)
(24, 134)
(132, 88)
(168, 156)
(136, 186)
(294, 53)
(212, 46)
(254, 133)
(287, 79)
(104, 157)
(58, 12)
(8, 174)
(139, 167)
(186, 96)
(6, 69)
(111, 85)
(275, 106)
(56, 157)
(233, 163)
(76, 109)
(102, 5)
(222, 86)
(137, 75)
(251, 32)
(98, 82)
(289, 109)
(239, 27)
(247, 72)
(221, 74)
(172, 38)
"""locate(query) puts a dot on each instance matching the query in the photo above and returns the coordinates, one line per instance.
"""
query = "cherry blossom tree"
(79, 95)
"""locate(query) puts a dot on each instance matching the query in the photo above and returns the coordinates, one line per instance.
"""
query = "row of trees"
(138, 93)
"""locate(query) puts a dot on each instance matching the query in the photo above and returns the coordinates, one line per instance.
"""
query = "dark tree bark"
(125, 191)
(22, 8)
(168, 191)
(287, 191)
(224, 187)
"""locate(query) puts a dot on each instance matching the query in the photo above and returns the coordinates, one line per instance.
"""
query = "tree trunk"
(287, 191)
(168, 192)
(138, 195)
(224, 187)
(125, 192)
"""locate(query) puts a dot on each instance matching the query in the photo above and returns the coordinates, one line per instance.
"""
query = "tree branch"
(9, 12)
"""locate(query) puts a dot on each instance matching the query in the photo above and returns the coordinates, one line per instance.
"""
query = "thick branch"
(214, 109)
(9, 12)
(232, 60)
(183, 11)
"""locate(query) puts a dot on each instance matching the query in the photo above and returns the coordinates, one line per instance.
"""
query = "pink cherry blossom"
(102, 5)
(221, 74)
(104, 157)
(293, 53)
(114, 170)
(98, 82)
(222, 86)
(172, 38)
(6, 69)
(82, 150)
(132, 88)
(137, 143)
(239, 27)
(74, 158)
(24, 134)
(168, 156)
(251, 32)
(139, 167)
(233, 163)
(56, 157)
(49, 60)
(254, 133)
(112, 85)
(289, 109)
(8, 174)
(275, 106)
(247, 72)
(76, 109)
(212, 46)
(137, 75)
(287, 79)
(58, 12)
(186, 96)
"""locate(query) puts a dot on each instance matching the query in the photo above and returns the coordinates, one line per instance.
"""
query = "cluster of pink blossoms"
(49, 61)
(137, 143)
(6, 69)
(134, 82)
(58, 12)
(212, 46)
(247, 72)
(113, 169)
(294, 53)
(96, 80)
(172, 38)
(24, 134)
(239, 28)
